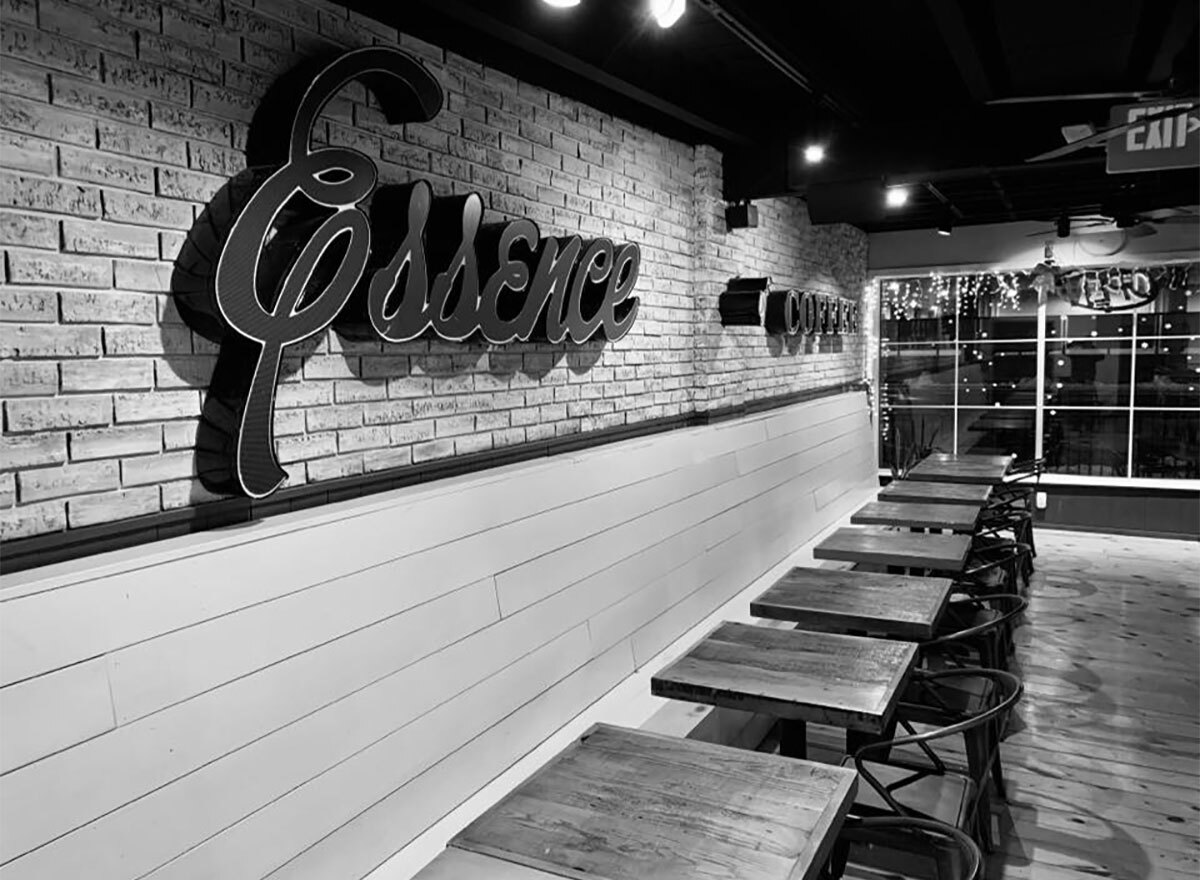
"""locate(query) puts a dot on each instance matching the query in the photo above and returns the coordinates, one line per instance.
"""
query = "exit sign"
(1169, 138)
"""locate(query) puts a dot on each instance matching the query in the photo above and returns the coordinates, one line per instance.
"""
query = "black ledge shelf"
(26, 553)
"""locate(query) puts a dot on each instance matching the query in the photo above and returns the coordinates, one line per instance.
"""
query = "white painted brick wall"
(118, 120)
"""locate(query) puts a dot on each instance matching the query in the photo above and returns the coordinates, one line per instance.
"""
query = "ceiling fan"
(1176, 94)
(1132, 224)
(1099, 138)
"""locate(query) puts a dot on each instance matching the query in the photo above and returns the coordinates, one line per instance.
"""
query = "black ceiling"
(896, 88)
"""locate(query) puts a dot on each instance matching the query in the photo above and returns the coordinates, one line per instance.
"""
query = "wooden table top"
(959, 470)
(955, 517)
(895, 604)
(935, 493)
(459, 864)
(621, 804)
(847, 681)
(876, 546)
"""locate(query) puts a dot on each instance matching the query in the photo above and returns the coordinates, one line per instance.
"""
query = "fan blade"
(1105, 134)
(1076, 227)
(1087, 96)
(1141, 230)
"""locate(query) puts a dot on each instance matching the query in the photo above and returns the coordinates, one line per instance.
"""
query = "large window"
(986, 363)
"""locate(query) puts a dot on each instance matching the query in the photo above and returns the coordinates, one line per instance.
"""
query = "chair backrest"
(993, 710)
(926, 830)
(1011, 606)
(1030, 468)
(994, 562)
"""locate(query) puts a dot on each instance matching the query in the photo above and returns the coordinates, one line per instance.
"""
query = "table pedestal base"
(793, 739)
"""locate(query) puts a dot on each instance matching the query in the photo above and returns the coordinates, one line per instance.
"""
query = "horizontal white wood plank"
(65, 791)
(659, 518)
(148, 676)
(88, 617)
(549, 573)
(731, 567)
(53, 711)
(751, 458)
(272, 835)
(794, 418)
(374, 835)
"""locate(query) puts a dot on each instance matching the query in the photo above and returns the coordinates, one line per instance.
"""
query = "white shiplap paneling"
(309, 697)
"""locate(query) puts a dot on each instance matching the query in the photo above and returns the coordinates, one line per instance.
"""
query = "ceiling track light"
(667, 12)
(946, 225)
(814, 154)
(1062, 226)
(896, 196)
(561, 4)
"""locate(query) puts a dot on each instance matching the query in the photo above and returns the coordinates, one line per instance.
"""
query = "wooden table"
(935, 493)
(959, 470)
(622, 804)
(891, 604)
(954, 517)
(889, 547)
(459, 864)
(796, 675)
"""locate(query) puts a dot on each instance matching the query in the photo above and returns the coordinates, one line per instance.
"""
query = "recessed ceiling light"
(814, 154)
(667, 12)
(561, 4)
(897, 197)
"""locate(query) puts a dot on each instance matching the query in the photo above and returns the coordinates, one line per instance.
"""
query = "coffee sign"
(296, 252)
(791, 312)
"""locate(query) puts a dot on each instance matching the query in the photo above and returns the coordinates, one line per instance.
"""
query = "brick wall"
(119, 119)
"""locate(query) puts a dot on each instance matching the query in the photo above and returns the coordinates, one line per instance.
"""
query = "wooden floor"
(1103, 759)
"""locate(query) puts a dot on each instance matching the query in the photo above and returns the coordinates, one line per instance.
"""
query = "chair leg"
(945, 864)
(998, 779)
(977, 742)
(836, 866)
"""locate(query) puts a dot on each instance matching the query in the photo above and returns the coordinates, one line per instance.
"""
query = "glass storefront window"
(1002, 373)
(1176, 310)
(916, 310)
(991, 308)
(1093, 326)
(1032, 363)
(1090, 442)
(1086, 372)
(1165, 445)
(1168, 373)
(996, 430)
(917, 375)
(902, 428)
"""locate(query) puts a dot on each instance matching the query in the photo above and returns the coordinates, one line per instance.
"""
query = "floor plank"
(1102, 757)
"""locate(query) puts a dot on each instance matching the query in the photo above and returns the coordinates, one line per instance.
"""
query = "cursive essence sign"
(749, 302)
(296, 252)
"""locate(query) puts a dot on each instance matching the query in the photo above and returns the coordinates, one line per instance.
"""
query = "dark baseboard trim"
(25, 553)
(1110, 530)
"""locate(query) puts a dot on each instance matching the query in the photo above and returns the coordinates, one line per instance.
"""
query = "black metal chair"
(1010, 505)
(942, 702)
(995, 564)
(954, 854)
(921, 785)
(975, 629)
